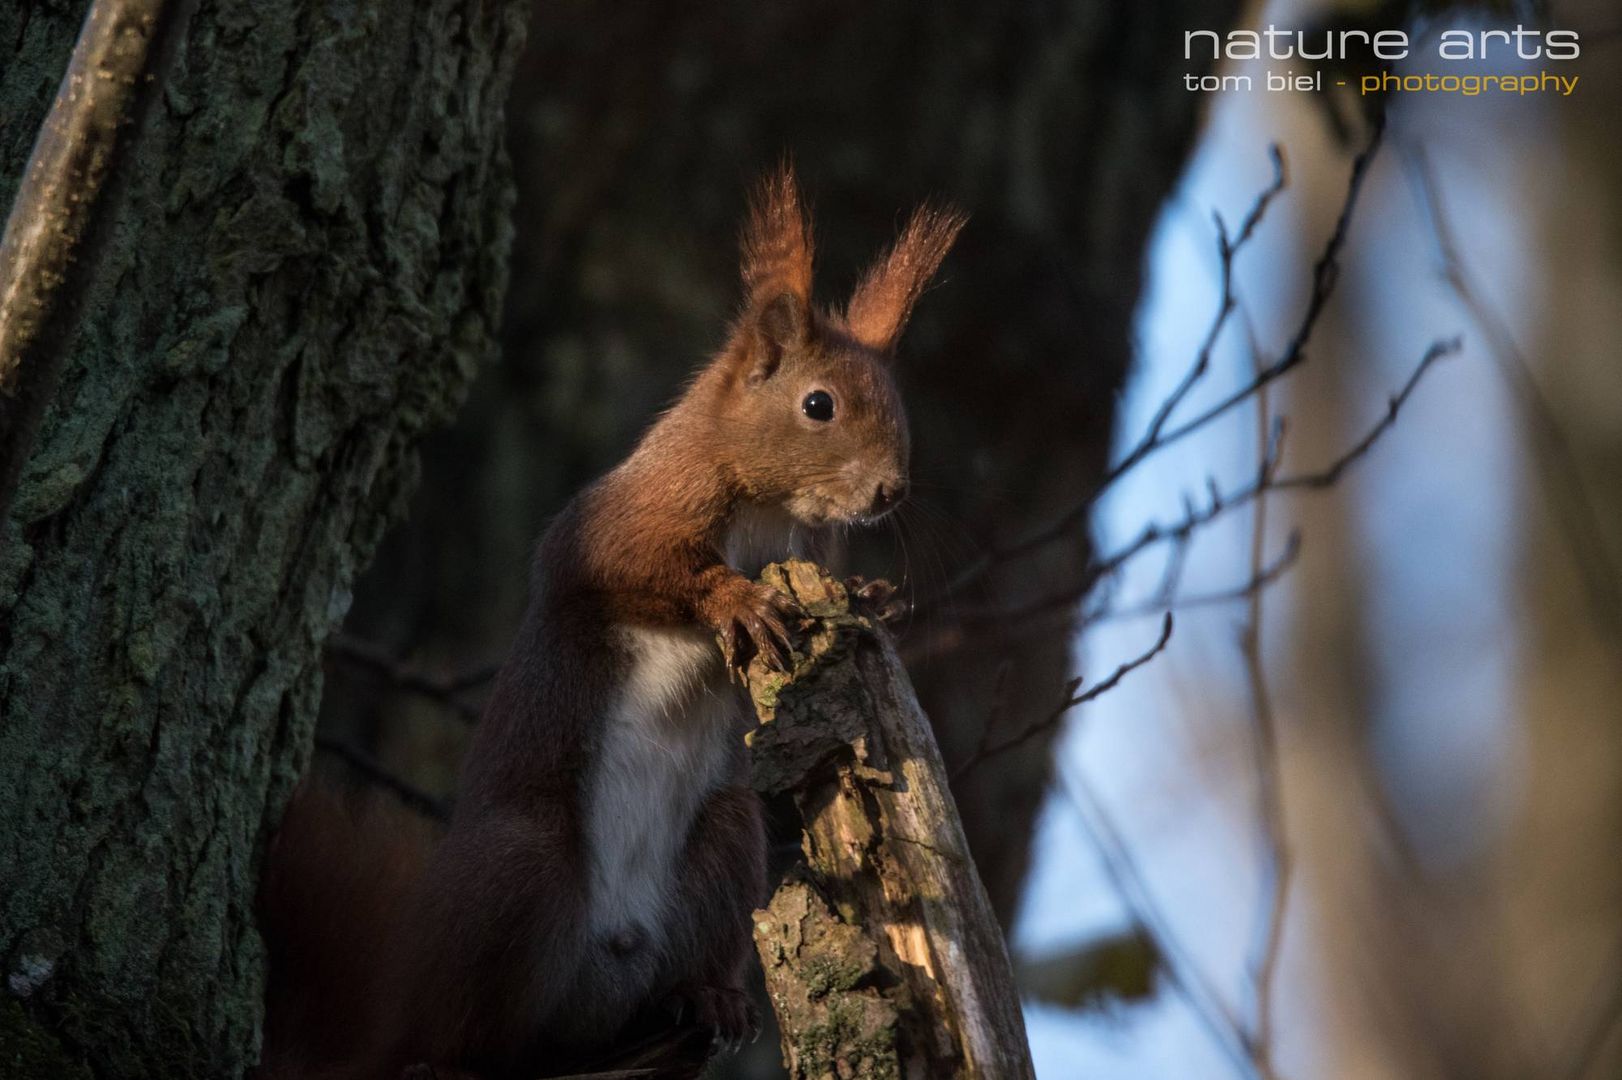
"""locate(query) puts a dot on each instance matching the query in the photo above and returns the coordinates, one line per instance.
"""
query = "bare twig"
(1171, 578)
(376, 772)
(1217, 504)
(1267, 946)
(988, 749)
(1251, 586)
(1190, 982)
(447, 691)
(1158, 436)
(68, 194)
(1325, 275)
(1226, 303)
(1328, 477)
(999, 696)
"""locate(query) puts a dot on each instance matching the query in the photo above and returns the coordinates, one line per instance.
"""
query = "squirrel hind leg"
(336, 874)
(491, 948)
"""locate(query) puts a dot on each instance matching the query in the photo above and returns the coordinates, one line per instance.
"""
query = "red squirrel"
(606, 851)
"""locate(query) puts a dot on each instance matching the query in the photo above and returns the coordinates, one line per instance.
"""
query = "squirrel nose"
(888, 494)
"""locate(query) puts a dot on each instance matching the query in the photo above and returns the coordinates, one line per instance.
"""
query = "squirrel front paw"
(754, 620)
(725, 1010)
(875, 597)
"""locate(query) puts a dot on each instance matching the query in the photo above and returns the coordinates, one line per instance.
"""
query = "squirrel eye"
(818, 405)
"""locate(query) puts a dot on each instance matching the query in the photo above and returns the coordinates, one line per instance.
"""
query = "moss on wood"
(819, 976)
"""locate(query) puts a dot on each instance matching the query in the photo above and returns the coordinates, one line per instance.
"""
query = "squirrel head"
(810, 399)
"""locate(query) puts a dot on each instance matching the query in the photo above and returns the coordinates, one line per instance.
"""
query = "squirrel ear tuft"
(884, 298)
(777, 251)
(782, 324)
(777, 245)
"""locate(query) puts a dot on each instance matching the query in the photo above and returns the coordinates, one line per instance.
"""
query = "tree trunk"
(307, 269)
(66, 198)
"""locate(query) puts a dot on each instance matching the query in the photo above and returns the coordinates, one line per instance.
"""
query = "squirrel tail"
(338, 876)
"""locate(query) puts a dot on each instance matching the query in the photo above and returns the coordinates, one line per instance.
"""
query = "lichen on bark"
(306, 273)
(799, 733)
(819, 977)
(882, 954)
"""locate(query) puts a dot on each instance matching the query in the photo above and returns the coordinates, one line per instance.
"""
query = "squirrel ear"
(777, 252)
(783, 324)
(777, 242)
(878, 309)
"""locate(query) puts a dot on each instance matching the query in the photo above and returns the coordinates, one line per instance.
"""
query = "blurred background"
(1378, 841)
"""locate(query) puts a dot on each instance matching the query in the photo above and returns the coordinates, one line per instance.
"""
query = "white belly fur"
(760, 535)
(665, 749)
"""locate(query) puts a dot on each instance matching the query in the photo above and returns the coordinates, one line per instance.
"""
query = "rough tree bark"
(64, 203)
(307, 270)
(882, 955)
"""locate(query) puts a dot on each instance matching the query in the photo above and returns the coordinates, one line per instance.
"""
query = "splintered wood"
(882, 955)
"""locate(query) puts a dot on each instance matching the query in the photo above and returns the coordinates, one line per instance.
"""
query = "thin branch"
(1325, 275)
(1157, 437)
(1217, 504)
(1330, 476)
(1190, 982)
(447, 691)
(1171, 578)
(1226, 302)
(1570, 500)
(999, 697)
(988, 749)
(376, 772)
(1267, 946)
(1251, 586)
(69, 193)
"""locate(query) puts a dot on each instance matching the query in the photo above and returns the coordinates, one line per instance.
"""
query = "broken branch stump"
(882, 955)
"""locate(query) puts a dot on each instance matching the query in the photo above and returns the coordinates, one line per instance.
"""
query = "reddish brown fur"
(883, 300)
(777, 243)
(338, 871)
(492, 968)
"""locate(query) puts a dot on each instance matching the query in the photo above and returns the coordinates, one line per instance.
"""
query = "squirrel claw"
(876, 597)
(727, 1012)
(761, 619)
